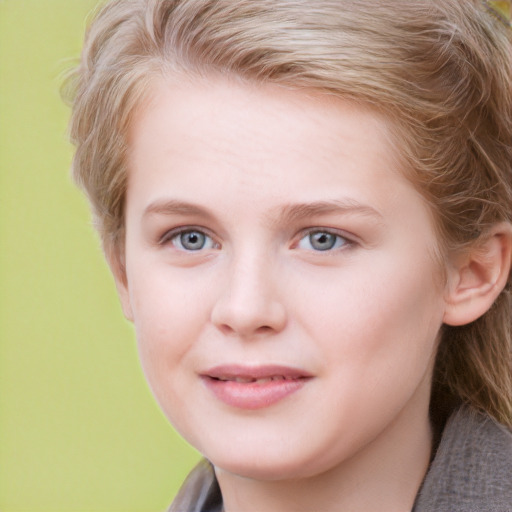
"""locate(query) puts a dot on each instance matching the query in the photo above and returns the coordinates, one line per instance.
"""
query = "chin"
(263, 472)
(266, 467)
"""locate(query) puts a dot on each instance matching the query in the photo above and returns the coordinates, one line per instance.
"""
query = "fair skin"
(270, 235)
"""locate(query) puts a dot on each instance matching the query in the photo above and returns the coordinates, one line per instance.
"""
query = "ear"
(116, 261)
(478, 276)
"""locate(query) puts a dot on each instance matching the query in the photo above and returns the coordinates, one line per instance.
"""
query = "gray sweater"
(471, 472)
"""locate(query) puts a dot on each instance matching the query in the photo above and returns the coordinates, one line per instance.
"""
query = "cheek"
(388, 315)
(167, 321)
(168, 318)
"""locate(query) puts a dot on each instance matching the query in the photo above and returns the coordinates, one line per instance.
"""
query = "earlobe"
(115, 259)
(479, 276)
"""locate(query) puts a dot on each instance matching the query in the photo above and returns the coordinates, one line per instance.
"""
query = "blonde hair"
(439, 69)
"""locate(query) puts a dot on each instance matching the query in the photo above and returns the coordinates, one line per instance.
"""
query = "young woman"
(307, 209)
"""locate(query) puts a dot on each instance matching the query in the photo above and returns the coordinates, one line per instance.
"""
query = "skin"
(255, 169)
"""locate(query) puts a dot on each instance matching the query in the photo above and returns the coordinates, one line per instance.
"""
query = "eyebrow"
(290, 213)
(297, 212)
(174, 207)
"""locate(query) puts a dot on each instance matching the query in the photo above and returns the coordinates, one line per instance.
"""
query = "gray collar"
(472, 468)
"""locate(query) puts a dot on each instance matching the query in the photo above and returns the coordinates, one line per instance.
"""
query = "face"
(279, 274)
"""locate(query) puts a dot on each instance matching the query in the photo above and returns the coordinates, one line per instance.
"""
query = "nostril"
(226, 329)
(229, 330)
(263, 329)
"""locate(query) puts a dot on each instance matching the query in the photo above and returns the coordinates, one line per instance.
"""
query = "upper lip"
(235, 371)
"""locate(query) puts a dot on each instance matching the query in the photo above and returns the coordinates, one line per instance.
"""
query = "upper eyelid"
(171, 233)
(350, 241)
(333, 231)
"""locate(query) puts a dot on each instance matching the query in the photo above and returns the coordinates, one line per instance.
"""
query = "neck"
(384, 476)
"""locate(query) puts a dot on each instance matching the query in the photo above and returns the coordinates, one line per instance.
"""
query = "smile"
(254, 387)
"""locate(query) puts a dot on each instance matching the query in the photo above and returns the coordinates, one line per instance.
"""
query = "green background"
(79, 430)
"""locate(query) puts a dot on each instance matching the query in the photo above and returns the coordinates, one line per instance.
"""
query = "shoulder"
(472, 469)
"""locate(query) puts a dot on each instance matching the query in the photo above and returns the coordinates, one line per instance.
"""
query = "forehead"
(209, 140)
(222, 118)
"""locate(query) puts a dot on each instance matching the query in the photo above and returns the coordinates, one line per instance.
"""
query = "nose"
(250, 304)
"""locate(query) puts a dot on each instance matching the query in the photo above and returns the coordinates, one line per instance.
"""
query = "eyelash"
(173, 234)
(340, 242)
(346, 242)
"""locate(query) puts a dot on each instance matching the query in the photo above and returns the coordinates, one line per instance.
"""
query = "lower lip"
(253, 395)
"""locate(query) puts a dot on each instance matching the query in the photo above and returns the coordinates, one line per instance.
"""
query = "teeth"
(243, 380)
(249, 380)
(264, 380)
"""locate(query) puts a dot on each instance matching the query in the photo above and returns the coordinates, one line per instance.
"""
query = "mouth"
(252, 388)
(247, 380)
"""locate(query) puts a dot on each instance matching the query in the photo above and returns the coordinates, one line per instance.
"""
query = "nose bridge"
(249, 303)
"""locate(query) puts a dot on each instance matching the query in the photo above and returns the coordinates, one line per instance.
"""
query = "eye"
(190, 240)
(320, 240)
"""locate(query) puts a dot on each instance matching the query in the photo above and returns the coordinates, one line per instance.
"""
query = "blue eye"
(192, 240)
(322, 241)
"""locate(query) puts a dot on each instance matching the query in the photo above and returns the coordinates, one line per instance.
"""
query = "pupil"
(322, 241)
(193, 240)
